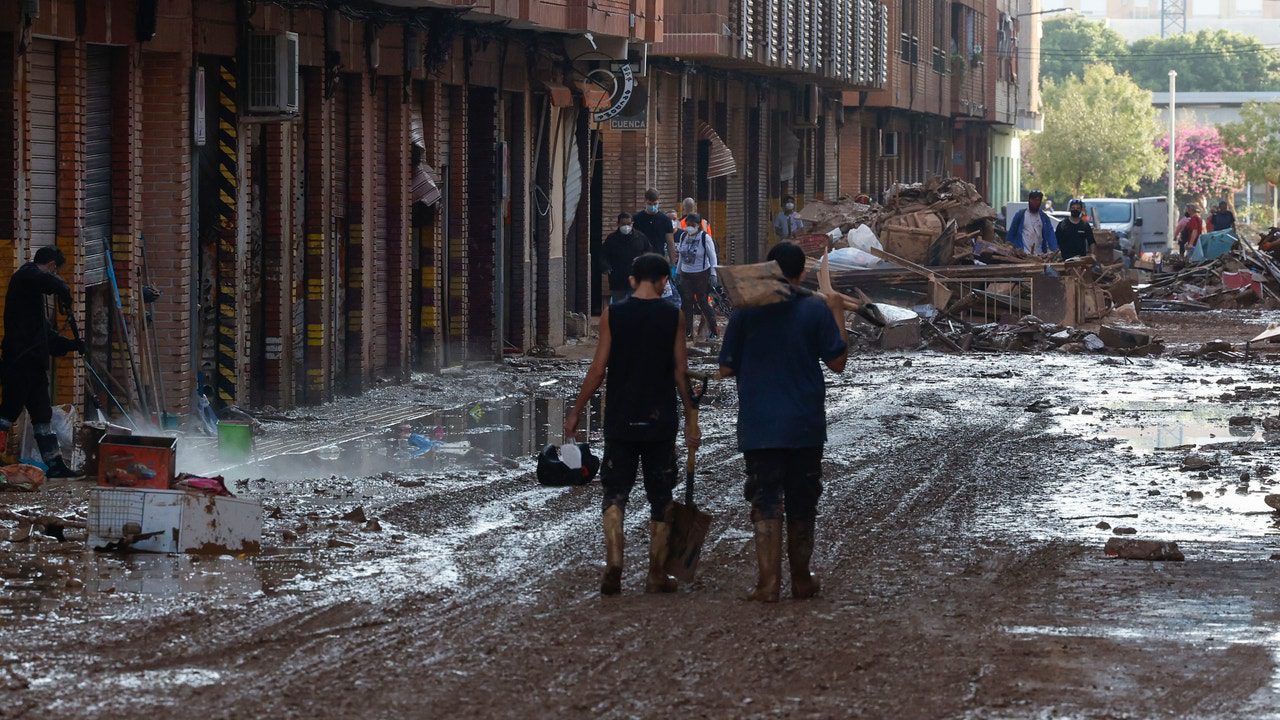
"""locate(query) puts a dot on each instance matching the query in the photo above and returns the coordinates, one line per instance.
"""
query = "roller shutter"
(97, 175)
(44, 142)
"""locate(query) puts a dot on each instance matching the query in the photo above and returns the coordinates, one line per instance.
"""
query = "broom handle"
(689, 463)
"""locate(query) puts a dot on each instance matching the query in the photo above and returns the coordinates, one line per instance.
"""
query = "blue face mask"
(653, 208)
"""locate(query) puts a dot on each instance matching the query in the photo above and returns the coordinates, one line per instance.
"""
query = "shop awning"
(721, 158)
(594, 97)
(561, 94)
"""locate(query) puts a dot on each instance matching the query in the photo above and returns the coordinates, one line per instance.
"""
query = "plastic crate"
(138, 461)
(173, 521)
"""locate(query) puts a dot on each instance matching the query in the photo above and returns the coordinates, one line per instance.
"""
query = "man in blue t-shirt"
(774, 352)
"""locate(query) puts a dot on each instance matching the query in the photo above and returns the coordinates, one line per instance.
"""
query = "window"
(1095, 8)
(1206, 8)
(1248, 8)
(910, 38)
(940, 23)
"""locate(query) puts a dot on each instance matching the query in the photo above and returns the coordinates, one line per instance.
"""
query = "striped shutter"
(97, 170)
(43, 141)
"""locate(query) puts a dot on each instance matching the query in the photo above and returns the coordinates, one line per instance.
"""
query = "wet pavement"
(959, 547)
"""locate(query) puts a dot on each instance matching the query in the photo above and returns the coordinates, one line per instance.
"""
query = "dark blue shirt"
(775, 350)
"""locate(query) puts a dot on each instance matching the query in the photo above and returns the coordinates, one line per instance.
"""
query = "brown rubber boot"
(611, 584)
(799, 551)
(769, 559)
(658, 580)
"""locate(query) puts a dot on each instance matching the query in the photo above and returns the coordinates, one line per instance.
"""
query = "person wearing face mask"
(620, 249)
(1031, 229)
(787, 225)
(697, 274)
(1075, 235)
(656, 226)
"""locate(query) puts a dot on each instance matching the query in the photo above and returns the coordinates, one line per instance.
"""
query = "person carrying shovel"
(641, 358)
(774, 352)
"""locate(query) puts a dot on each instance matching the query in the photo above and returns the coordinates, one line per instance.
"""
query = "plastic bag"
(864, 239)
(852, 257)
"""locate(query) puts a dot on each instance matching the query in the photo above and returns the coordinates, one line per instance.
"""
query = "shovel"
(689, 525)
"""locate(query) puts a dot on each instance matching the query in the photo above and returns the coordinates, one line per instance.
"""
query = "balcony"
(639, 20)
(841, 43)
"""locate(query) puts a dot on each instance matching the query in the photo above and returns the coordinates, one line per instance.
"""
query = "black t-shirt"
(619, 252)
(640, 383)
(1223, 220)
(656, 227)
(1074, 239)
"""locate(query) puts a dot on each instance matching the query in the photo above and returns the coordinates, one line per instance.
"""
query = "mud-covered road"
(959, 547)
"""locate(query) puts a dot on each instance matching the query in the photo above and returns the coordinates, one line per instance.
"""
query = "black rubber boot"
(799, 552)
(52, 457)
(611, 583)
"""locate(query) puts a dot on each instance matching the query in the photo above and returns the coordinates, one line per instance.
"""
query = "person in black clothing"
(1075, 235)
(621, 248)
(642, 359)
(1223, 219)
(29, 341)
(656, 226)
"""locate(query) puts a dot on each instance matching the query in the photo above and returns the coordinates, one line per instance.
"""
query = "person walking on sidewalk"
(621, 249)
(641, 359)
(774, 351)
(29, 341)
(655, 225)
(698, 273)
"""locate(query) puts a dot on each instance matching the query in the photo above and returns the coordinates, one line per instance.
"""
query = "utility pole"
(1173, 99)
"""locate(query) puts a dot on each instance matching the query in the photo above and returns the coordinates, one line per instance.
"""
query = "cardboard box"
(173, 521)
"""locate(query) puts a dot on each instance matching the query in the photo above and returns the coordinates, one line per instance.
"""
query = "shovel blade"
(689, 528)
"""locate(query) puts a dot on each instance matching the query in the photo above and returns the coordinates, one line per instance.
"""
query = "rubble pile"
(1243, 277)
(932, 223)
(932, 331)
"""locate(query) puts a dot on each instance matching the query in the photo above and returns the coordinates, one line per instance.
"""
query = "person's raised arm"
(595, 376)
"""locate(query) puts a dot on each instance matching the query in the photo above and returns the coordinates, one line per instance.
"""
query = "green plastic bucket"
(235, 441)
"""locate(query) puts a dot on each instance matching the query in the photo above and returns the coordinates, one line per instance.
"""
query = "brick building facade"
(436, 194)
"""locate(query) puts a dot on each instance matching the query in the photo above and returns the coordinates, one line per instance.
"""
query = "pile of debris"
(1030, 334)
(1243, 277)
(929, 223)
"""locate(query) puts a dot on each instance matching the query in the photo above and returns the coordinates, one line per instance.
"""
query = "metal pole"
(1173, 99)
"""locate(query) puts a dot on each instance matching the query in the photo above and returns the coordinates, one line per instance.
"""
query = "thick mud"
(959, 548)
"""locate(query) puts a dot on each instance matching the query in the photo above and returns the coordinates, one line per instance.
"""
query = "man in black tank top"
(642, 362)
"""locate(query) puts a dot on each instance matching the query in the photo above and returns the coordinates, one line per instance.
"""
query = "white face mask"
(624, 229)
(789, 206)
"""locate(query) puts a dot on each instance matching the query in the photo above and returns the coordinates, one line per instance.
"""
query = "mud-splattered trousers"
(787, 479)
(622, 459)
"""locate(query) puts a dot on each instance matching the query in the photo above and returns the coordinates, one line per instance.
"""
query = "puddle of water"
(1161, 437)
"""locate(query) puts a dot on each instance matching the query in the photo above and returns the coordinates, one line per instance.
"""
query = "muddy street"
(959, 544)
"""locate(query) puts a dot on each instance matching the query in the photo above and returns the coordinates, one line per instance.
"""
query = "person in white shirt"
(697, 253)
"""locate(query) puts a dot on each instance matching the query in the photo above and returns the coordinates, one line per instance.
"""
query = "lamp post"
(1173, 202)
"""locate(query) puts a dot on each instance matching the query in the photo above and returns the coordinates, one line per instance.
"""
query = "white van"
(1142, 225)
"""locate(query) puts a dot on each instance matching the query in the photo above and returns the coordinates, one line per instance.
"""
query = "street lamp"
(1173, 98)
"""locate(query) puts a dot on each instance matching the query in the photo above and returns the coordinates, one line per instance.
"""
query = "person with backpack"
(697, 265)
(642, 361)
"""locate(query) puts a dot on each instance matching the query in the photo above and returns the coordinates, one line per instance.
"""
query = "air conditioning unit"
(888, 144)
(273, 73)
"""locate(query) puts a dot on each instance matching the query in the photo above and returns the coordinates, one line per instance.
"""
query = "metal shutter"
(44, 142)
(97, 165)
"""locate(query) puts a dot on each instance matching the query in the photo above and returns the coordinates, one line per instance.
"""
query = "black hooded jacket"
(29, 338)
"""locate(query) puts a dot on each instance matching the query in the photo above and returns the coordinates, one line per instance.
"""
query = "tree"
(1206, 61)
(1254, 141)
(1099, 136)
(1203, 167)
(1070, 44)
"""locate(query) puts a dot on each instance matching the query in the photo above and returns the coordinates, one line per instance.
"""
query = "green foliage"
(1206, 61)
(1069, 44)
(1255, 140)
(1099, 136)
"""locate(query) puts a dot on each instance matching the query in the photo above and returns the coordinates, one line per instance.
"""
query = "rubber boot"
(799, 551)
(52, 457)
(611, 584)
(658, 580)
(768, 558)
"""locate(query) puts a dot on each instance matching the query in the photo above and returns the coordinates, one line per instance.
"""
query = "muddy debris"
(1242, 420)
(1039, 405)
(1271, 423)
(335, 543)
(1196, 462)
(356, 515)
(1132, 549)
(1272, 501)
(289, 536)
(1195, 495)
(373, 525)
(1125, 531)
(1103, 525)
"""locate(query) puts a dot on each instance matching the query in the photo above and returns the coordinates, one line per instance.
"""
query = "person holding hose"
(30, 340)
